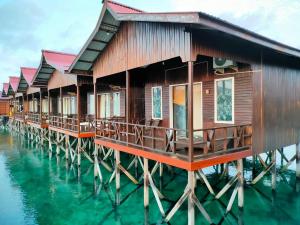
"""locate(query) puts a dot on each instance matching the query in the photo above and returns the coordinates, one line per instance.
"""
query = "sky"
(27, 26)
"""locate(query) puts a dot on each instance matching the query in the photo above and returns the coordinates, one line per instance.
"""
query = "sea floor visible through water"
(36, 189)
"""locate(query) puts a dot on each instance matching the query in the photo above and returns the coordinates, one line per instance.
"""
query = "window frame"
(113, 101)
(216, 104)
(161, 106)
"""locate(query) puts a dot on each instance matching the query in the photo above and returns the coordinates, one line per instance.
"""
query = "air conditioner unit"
(221, 63)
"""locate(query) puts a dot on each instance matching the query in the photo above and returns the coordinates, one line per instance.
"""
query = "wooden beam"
(78, 108)
(190, 111)
(61, 102)
(128, 93)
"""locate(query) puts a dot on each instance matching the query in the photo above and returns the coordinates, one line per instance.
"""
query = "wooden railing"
(175, 141)
(70, 122)
(19, 115)
(37, 118)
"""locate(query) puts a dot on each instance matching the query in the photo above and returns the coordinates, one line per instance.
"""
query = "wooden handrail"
(164, 139)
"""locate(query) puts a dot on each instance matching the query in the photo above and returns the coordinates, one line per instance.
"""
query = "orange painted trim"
(146, 154)
(73, 134)
(176, 162)
(220, 159)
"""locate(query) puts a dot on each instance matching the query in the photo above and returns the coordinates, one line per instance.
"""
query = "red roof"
(120, 8)
(5, 87)
(14, 82)
(28, 74)
(59, 60)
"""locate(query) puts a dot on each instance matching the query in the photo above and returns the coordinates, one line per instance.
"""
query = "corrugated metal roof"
(120, 8)
(26, 77)
(51, 61)
(13, 85)
(114, 13)
(5, 88)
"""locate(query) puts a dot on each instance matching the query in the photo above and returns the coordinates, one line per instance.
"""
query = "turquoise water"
(37, 190)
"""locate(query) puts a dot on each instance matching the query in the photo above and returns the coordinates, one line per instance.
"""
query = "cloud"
(27, 26)
(276, 19)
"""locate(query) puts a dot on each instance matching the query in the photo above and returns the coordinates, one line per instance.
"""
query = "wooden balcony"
(37, 119)
(208, 143)
(71, 125)
(20, 116)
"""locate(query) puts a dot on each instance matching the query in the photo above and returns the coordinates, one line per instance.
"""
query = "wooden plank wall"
(281, 106)
(4, 107)
(243, 94)
(139, 43)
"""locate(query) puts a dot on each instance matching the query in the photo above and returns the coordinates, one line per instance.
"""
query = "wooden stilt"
(240, 183)
(67, 141)
(191, 207)
(79, 152)
(57, 143)
(298, 161)
(273, 171)
(117, 169)
(146, 183)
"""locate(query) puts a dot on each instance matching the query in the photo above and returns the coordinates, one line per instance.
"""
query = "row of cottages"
(184, 89)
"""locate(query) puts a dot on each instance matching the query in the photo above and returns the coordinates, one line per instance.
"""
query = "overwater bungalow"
(191, 91)
(12, 93)
(71, 103)
(24, 98)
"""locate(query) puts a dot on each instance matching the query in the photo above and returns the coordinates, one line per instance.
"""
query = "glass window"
(116, 101)
(224, 100)
(45, 105)
(104, 106)
(91, 104)
(156, 102)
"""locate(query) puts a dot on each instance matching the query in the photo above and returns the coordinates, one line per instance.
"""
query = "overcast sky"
(27, 26)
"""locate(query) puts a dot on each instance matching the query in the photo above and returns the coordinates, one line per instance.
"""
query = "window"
(156, 102)
(224, 100)
(91, 104)
(45, 105)
(69, 105)
(116, 101)
(104, 106)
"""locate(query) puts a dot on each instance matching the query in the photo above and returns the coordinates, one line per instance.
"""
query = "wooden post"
(79, 152)
(41, 106)
(127, 102)
(191, 207)
(49, 101)
(67, 146)
(57, 145)
(61, 106)
(273, 169)
(117, 171)
(298, 161)
(96, 109)
(146, 183)
(78, 108)
(240, 169)
(190, 111)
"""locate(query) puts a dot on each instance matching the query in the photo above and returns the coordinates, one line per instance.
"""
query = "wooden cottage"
(71, 102)
(4, 104)
(12, 91)
(188, 89)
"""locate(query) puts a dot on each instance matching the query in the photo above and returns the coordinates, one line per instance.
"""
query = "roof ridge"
(57, 52)
(126, 6)
(13, 77)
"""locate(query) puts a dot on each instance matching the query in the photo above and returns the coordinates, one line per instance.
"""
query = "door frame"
(171, 124)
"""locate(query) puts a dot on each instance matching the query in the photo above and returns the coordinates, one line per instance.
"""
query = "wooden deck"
(72, 133)
(38, 125)
(178, 162)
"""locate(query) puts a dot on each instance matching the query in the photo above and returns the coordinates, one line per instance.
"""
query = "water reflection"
(34, 186)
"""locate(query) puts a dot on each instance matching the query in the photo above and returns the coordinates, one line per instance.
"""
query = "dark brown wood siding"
(4, 107)
(140, 43)
(243, 94)
(279, 104)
